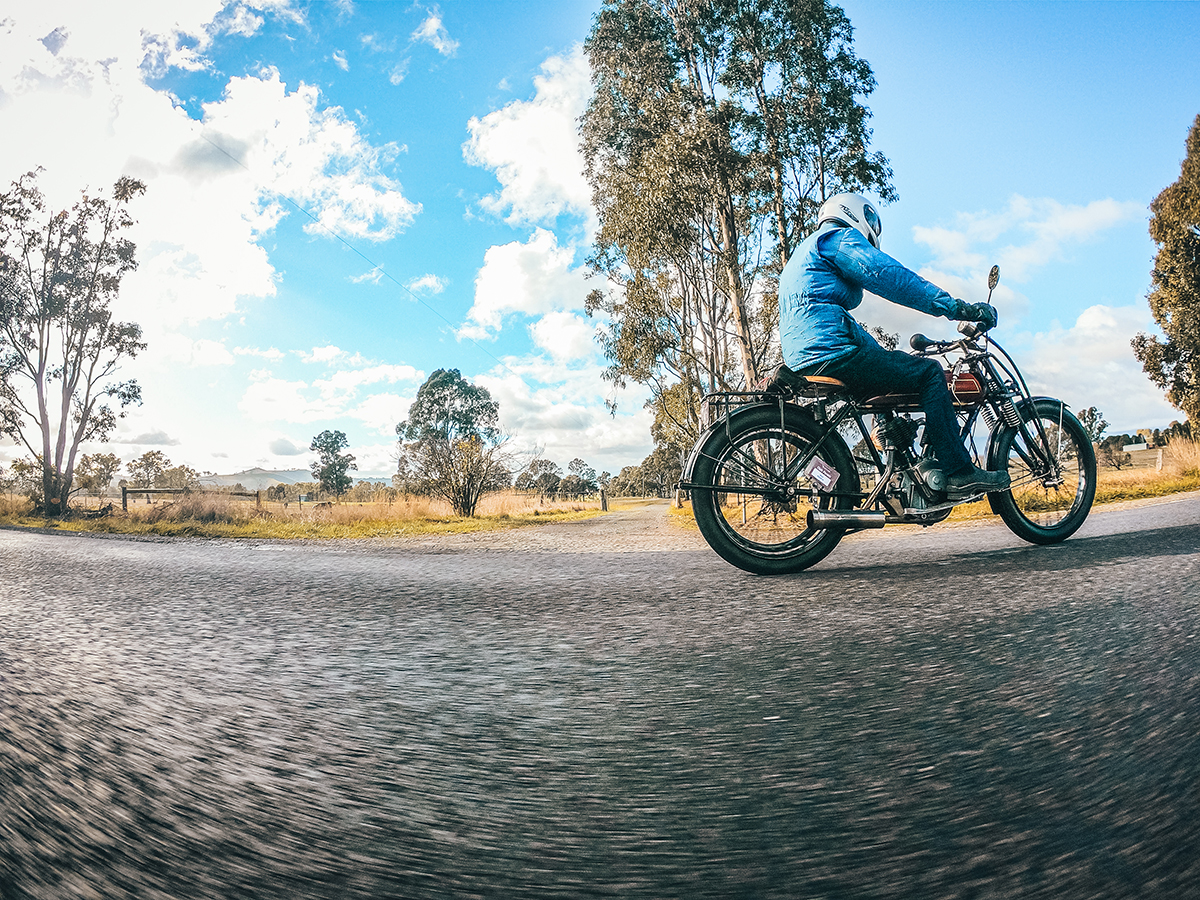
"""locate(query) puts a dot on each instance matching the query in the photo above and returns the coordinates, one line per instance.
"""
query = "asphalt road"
(929, 714)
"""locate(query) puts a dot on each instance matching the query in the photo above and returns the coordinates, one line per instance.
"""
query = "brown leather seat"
(785, 380)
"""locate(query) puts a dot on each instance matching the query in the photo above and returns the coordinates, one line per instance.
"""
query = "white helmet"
(854, 211)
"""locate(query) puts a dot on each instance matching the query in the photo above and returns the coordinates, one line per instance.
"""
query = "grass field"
(208, 515)
(212, 515)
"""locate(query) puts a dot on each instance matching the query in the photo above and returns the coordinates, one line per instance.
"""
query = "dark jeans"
(870, 370)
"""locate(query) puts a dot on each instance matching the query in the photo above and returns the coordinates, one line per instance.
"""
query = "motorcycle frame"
(1002, 383)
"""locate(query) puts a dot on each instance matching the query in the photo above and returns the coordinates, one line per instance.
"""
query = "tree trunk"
(737, 296)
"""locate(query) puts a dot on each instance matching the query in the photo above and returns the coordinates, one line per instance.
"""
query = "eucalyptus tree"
(60, 347)
(1173, 363)
(715, 130)
(95, 472)
(331, 467)
(452, 444)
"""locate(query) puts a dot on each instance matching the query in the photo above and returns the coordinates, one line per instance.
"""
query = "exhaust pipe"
(846, 518)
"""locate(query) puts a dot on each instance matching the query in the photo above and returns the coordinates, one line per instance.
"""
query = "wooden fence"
(126, 491)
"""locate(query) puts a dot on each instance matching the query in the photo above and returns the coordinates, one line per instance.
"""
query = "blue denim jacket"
(825, 279)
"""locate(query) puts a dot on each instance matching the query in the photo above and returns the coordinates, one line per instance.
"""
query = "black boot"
(974, 481)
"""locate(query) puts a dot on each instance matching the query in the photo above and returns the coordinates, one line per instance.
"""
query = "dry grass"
(210, 515)
(1183, 457)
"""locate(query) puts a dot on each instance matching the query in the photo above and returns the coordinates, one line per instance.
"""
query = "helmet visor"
(872, 218)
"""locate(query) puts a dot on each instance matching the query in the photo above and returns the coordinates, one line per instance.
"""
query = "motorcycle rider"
(825, 279)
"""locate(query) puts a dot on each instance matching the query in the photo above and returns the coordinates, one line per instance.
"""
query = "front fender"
(993, 449)
(1023, 407)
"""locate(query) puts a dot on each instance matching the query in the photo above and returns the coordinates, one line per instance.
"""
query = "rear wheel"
(754, 503)
(1053, 472)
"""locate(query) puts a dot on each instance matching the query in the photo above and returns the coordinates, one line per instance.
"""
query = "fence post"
(124, 499)
(258, 499)
(603, 501)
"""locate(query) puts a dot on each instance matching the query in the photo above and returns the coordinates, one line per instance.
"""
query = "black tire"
(1053, 485)
(758, 521)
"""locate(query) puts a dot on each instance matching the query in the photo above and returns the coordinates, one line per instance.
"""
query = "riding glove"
(984, 313)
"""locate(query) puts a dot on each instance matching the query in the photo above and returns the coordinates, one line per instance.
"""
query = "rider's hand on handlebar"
(984, 313)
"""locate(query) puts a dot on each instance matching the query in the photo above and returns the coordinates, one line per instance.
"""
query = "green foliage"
(178, 478)
(331, 466)
(451, 446)
(59, 345)
(451, 407)
(656, 476)
(1093, 423)
(1174, 362)
(95, 472)
(715, 131)
(541, 475)
(26, 478)
(147, 468)
(579, 481)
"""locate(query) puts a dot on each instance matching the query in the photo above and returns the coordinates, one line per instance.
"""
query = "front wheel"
(751, 495)
(1053, 469)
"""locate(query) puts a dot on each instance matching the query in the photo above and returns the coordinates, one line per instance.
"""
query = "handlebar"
(923, 344)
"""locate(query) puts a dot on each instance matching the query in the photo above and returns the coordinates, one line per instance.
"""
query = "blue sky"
(434, 146)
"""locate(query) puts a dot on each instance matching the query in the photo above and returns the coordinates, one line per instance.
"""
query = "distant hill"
(257, 479)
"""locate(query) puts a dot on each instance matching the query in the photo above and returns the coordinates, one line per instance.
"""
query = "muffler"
(846, 518)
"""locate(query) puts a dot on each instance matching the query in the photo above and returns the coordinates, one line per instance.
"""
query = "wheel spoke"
(1052, 470)
(752, 501)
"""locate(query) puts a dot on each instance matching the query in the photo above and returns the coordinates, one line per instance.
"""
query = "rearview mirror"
(993, 278)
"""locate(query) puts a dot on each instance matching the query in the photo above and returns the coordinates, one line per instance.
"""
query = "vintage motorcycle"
(775, 484)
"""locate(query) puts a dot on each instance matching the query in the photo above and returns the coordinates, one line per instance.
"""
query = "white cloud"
(382, 412)
(346, 392)
(374, 460)
(339, 60)
(1038, 231)
(533, 146)
(311, 154)
(326, 354)
(270, 353)
(276, 400)
(374, 276)
(1091, 364)
(399, 71)
(534, 277)
(560, 408)
(212, 185)
(156, 438)
(173, 349)
(284, 447)
(565, 335)
(427, 284)
(434, 33)
(347, 382)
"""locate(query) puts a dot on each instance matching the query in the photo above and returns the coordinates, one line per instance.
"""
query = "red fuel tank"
(965, 386)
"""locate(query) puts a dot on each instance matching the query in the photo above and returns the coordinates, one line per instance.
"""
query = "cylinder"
(846, 518)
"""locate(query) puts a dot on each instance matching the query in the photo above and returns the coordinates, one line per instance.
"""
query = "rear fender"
(729, 422)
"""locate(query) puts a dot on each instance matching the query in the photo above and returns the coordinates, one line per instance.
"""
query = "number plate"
(823, 475)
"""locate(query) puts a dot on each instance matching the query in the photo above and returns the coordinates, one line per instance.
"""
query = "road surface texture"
(604, 709)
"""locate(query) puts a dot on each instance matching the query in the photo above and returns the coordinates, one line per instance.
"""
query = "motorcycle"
(775, 484)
